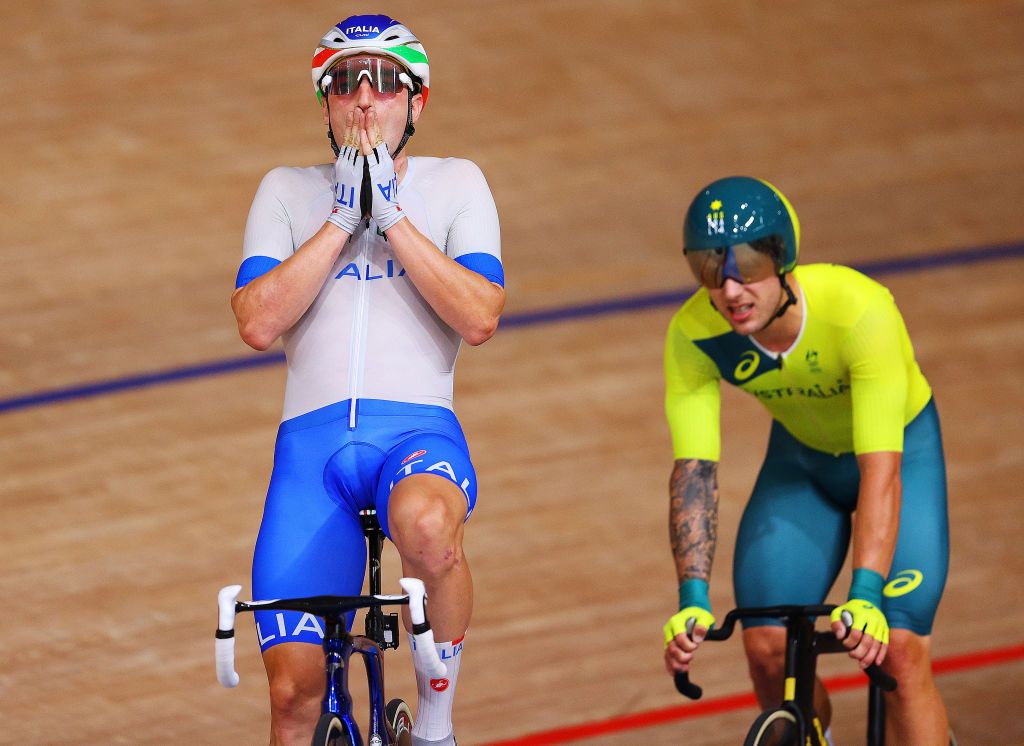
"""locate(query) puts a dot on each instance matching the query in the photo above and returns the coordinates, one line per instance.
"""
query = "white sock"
(828, 735)
(434, 709)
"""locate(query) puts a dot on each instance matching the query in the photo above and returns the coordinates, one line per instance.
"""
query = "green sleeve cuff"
(867, 586)
(694, 592)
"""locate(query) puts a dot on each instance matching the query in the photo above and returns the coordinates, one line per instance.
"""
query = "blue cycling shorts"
(311, 539)
(795, 531)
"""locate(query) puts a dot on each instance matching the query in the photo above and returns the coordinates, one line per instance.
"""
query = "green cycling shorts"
(795, 530)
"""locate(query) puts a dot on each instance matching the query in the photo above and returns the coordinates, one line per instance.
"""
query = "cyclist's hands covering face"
(863, 629)
(348, 179)
(383, 180)
(684, 632)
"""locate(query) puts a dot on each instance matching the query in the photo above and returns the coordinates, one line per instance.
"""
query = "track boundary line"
(733, 702)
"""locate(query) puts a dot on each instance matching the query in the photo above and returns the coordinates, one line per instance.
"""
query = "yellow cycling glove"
(685, 620)
(694, 610)
(862, 610)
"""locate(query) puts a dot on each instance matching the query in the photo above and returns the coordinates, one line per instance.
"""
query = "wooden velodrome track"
(133, 138)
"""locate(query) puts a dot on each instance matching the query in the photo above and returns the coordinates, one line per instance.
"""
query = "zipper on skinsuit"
(803, 404)
(360, 322)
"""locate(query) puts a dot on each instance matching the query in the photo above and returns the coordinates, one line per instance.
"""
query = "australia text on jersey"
(814, 392)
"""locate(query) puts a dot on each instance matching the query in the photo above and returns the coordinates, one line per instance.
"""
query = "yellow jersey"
(850, 382)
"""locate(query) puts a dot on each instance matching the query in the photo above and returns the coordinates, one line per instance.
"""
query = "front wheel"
(774, 728)
(399, 718)
(331, 731)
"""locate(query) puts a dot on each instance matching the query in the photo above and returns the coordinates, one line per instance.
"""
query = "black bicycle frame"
(803, 646)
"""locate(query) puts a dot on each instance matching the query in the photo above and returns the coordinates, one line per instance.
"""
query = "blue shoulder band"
(253, 267)
(484, 264)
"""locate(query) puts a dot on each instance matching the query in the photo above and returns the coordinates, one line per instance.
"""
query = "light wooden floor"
(132, 140)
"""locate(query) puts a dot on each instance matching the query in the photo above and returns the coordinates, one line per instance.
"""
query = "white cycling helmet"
(372, 34)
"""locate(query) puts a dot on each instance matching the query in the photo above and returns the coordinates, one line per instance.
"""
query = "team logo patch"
(748, 363)
(716, 219)
(903, 583)
(411, 456)
(439, 685)
(361, 32)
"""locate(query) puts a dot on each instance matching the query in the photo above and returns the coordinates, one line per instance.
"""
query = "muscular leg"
(915, 713)
(790, 547)
(296, 675)
(309, 544)
(766, 651)
(426, 515)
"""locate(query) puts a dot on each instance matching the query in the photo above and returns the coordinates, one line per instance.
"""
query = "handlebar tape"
(686, 687)
(424, 652)
(224, 645)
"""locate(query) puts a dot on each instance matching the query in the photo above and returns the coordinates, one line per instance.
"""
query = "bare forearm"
(465, 300)
(273, 302)
(693, 517)
(877, 520)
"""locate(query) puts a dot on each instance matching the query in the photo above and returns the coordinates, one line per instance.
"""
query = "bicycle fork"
(338, 649)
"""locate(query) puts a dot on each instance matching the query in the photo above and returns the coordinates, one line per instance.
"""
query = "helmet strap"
(409, 129)
(789, 301)
(330, 132)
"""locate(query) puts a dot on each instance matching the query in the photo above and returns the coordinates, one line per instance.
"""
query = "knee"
(908, 660)
(765, 648)
(426, 531)
(294, 698)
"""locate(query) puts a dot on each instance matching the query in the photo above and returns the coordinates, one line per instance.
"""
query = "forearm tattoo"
(693, 517)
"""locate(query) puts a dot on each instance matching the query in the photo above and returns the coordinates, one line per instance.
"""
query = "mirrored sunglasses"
(742, 262)
(385, 76)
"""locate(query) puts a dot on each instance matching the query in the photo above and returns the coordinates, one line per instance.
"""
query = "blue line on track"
(114, 385)
(552, 315)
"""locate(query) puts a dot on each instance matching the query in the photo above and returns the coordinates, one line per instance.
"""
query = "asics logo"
(411, 456)
(748, 363)
(903, 583)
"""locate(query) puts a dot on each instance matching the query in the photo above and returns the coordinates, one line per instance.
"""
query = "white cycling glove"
(348, 185)
(384, 185)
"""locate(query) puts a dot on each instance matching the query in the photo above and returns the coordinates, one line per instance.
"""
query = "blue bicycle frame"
(339, 645)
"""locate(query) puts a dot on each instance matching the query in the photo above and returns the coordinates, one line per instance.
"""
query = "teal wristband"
(867, 586)
(694, 592)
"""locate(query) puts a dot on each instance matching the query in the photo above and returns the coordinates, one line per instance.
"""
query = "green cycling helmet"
(741, 209)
